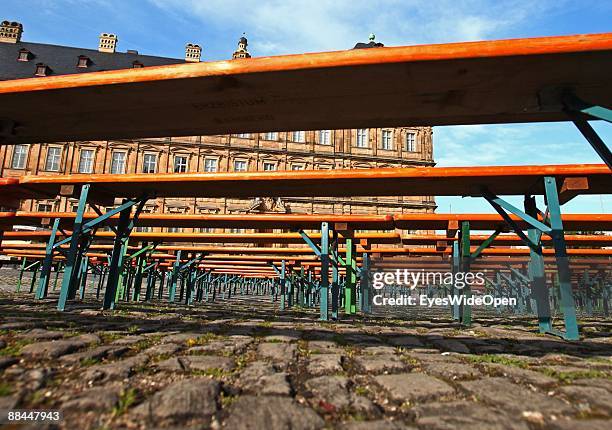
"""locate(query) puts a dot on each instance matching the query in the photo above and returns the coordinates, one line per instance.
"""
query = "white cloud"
(294, 26)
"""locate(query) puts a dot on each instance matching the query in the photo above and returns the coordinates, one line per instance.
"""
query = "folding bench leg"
(563, 269)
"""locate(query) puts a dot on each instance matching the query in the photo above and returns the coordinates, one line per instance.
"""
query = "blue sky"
(163, 27)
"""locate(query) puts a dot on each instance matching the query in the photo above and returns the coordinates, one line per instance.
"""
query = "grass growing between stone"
(569, 377)
(5, 389)
(14, 347)
(497, 359)
(126, 399)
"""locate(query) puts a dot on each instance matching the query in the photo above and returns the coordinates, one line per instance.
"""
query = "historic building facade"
(295, 150)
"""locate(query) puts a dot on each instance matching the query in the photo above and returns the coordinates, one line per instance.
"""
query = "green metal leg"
(324, 291)
(140, 263)
(455, 291)
(174, 278)
(45, 273)
(563, 269)
(122, 283)
(350, 305)
(34, 274)
(71, 257)
(539, 291)
(301, 288)
(283, 286)
(366, 288)
(19, 281)
(115, 266)
(83, 276)
(466, 310)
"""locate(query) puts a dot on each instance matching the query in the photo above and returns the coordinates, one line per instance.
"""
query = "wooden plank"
(255, 238)
(571, 222)
(267, 221)
(456, 83)
(415, 221)
(414, 181)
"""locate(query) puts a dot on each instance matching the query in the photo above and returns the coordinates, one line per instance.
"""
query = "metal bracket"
(577, 109)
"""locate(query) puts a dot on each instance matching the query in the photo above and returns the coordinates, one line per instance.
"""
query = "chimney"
(108, 42)
(193, 53)
(10, 32)
(241, 51)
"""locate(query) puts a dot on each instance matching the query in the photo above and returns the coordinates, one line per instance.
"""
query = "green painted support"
(350, 303)
(366, 285)
(537, 275)
(115, 267)
(282, 286)
(123, 272)
(174, 278)
(301, 286)
(324, 291)
(83, 276)
(485, 244)
(466, 259)
(162, 281)
(100, 281)
(289, 285)
(563, 269)
(140, 264)
(19, 281)
(72, 255)
(45, 272)
(34, 275)
(59, 267)
(576, 108)
(455, 269)
(335, 287)
(190, 287)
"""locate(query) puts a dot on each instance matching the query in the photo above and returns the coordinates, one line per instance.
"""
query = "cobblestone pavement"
(243, 364)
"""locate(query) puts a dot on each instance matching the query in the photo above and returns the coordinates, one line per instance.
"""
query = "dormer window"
(41, 70)
(137, 65)
(83, 61)
(24, 55)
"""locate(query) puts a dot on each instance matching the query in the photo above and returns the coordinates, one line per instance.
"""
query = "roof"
(62, 60)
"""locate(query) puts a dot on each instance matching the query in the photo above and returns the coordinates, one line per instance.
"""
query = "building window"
(118, 163)
(20, 155)
(237, 230)
(269, 166)
(207, 230)
(271, 136)
(137, 65)
(325, 166)
(143, 229)
(210, 164)
(325, 137)
(41, 70)
(387, 139)
(297, 167)
(244, 135)
(180, 163)
(24, 55)
(87, 161)
(54, 156)
(149, 163)
(45, 207)
(83, 62)
(299, 136)
(240, 166)
(411, 142)
(174, 230)
(362, 137)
